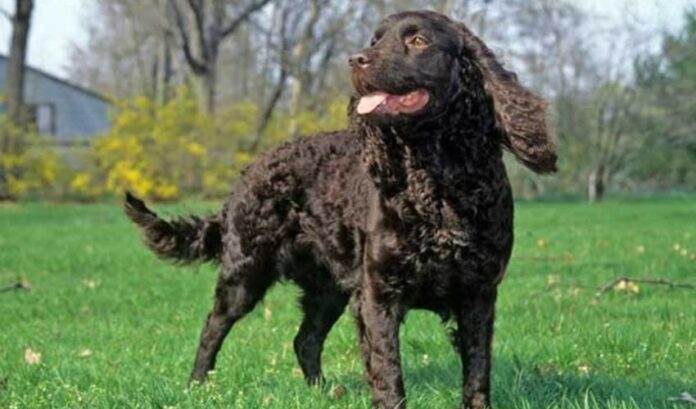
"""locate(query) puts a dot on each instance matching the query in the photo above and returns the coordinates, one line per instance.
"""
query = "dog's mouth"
(380, 102)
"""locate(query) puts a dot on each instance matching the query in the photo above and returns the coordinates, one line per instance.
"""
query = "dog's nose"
(359, 60)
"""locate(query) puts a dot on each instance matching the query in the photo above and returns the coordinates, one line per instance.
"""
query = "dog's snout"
(359, 60)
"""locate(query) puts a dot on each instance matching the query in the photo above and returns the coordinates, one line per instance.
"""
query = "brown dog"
(409, 208)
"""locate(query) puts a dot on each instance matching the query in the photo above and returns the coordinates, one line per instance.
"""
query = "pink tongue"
(368, 103)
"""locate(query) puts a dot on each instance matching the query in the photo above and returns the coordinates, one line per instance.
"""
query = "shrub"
(164, 152)
(28, 165)
(158, 152)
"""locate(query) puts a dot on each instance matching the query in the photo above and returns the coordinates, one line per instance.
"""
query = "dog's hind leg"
(321, 311)
(241, 285)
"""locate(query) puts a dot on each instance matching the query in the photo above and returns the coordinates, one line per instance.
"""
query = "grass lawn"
(116, 328)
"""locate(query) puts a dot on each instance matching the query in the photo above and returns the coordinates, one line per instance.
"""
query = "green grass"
(555, 346)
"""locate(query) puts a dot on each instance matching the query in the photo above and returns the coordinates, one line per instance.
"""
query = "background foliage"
(186, 121)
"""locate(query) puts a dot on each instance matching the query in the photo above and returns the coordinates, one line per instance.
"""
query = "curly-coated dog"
(409, 208)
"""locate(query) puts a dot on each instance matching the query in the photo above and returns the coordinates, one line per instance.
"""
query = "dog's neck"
(446, 153)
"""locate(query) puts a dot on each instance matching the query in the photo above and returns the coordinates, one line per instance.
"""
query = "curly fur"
(395, 213)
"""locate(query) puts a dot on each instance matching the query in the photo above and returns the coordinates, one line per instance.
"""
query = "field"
(116, 328)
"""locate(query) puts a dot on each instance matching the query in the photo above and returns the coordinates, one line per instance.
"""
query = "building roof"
(62, 81)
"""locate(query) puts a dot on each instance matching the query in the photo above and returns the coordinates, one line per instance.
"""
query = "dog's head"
(421, 65)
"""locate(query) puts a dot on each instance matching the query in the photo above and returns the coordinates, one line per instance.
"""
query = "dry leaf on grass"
(267, 400)
(32, 357)
(425, 359)
(627, 286)
(553, 279)
(89, 283)
(338, 392)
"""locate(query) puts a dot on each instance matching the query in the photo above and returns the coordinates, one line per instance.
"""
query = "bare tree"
(201, 31)
(162, 69)
(14, 86)
(300, 53)
(282, 76)
(128, 51)
(307, 42)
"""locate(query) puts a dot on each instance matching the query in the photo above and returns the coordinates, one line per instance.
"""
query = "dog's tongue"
(409, 103)
(368, 103)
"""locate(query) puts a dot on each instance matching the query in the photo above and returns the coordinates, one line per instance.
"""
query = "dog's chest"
(435, 240)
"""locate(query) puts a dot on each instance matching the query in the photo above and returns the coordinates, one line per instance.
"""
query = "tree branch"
(659, 281)
(197, 66)
(196, 7)
(22, 284)
(6, 14)
(243, 16)
(277, 93)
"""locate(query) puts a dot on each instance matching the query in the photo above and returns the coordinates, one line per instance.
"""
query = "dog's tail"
(181, 240)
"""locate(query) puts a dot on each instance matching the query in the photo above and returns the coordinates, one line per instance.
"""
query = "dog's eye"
(417, 41)
(373, 41)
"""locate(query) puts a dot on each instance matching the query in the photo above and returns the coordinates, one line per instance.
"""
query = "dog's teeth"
(407, 99)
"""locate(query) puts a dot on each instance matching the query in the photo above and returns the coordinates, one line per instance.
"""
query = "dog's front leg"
(378, 322)
(475, 318)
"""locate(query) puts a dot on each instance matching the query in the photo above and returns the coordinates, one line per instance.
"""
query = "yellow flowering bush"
(28, 165)
(160, 152)
(163, 152)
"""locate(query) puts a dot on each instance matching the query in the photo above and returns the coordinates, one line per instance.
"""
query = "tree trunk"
(205, 91)
(265, 118)
(447, 7)
(163, 74)
(14, 86)
(201, 33)
(300, 76)
(595, 185)
(295, 100)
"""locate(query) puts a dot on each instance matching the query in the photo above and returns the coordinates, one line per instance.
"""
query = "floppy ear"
(520, 115)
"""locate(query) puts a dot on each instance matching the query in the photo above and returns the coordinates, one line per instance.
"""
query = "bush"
(165, 152)
(28, 165)
(160, 152)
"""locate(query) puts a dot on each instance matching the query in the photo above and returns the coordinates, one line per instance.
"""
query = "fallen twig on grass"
(684, 397)
(625, 280)
(22, 284)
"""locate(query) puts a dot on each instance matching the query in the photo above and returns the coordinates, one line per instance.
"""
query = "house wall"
(78, 113)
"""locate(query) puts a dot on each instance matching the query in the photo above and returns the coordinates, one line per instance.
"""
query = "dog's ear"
(520, 115)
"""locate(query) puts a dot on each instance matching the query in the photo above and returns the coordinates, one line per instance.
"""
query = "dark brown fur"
(398, 212)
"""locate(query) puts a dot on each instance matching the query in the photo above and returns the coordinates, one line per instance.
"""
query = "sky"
(58, 24)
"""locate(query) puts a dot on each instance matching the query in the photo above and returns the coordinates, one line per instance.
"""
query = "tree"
(14, 86)
(128, 52)
(14, 91)
(201, 31)
(667, 80)
(614, 106)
